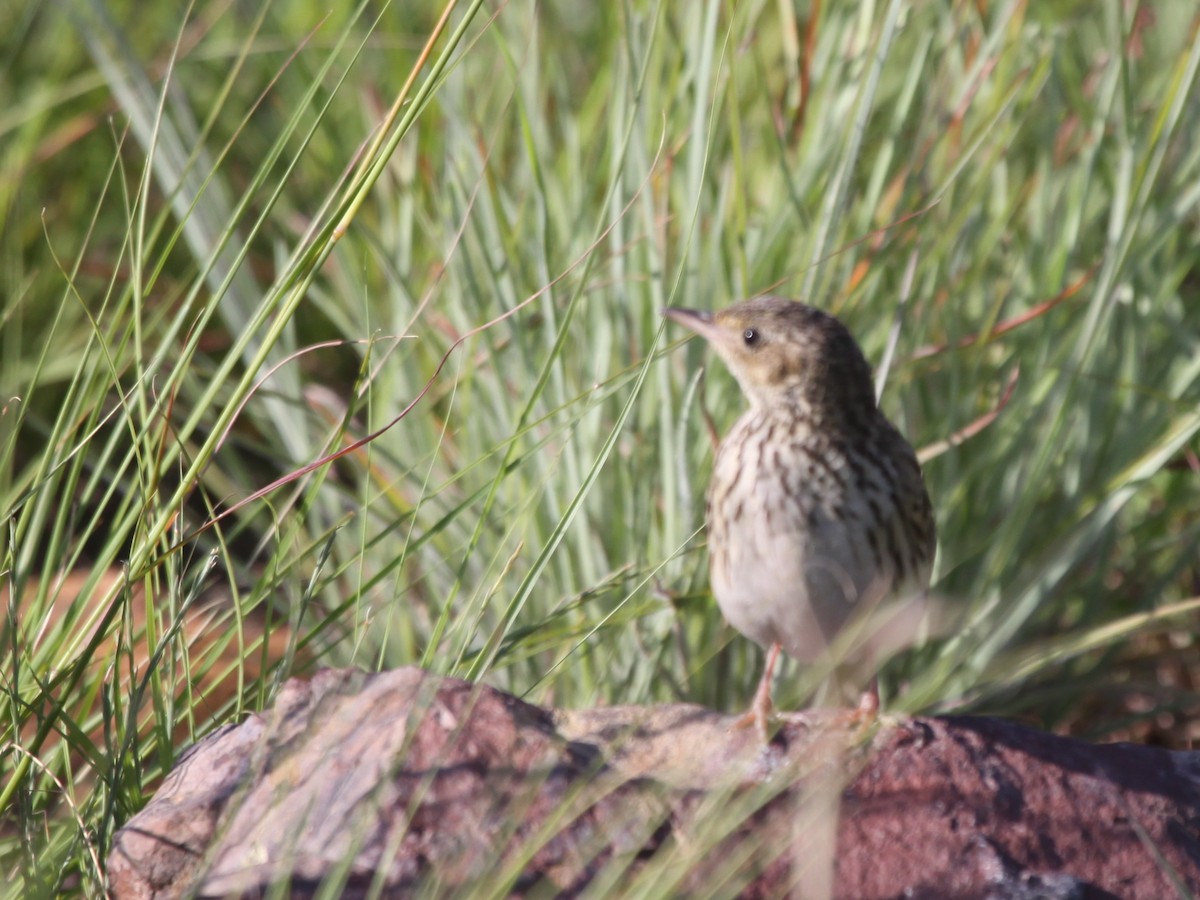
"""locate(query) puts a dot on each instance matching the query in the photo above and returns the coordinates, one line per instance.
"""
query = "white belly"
(792, 554)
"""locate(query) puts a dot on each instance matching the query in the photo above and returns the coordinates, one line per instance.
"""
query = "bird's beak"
(698, 320)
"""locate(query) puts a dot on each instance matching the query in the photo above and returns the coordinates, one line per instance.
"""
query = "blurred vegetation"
(241, 250)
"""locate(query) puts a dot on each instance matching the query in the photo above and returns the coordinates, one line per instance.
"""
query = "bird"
(817, 511)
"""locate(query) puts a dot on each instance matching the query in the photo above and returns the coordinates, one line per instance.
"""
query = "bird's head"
(782, 351)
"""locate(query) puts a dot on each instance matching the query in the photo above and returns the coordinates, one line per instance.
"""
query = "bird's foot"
(868, 705)
(861, 718)
(759, 715)
(803, 719)
(762, 714)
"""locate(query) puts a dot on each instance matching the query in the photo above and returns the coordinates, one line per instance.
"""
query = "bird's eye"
(750, 336)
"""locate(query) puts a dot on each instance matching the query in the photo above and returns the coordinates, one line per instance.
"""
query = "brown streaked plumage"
(816, 508)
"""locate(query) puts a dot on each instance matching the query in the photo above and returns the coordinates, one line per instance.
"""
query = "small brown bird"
(817, 510)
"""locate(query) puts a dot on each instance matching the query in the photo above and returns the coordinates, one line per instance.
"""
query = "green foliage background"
(213, 280)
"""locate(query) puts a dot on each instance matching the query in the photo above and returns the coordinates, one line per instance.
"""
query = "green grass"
(214, 281)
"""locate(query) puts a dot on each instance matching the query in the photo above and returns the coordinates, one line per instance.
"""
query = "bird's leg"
(761, 708)
(759, 714)
(868, 703)
(867, 711)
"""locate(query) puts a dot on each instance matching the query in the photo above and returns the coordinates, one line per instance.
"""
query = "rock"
(401, 780)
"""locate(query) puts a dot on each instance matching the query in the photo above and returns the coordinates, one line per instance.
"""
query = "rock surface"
(401, 781)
